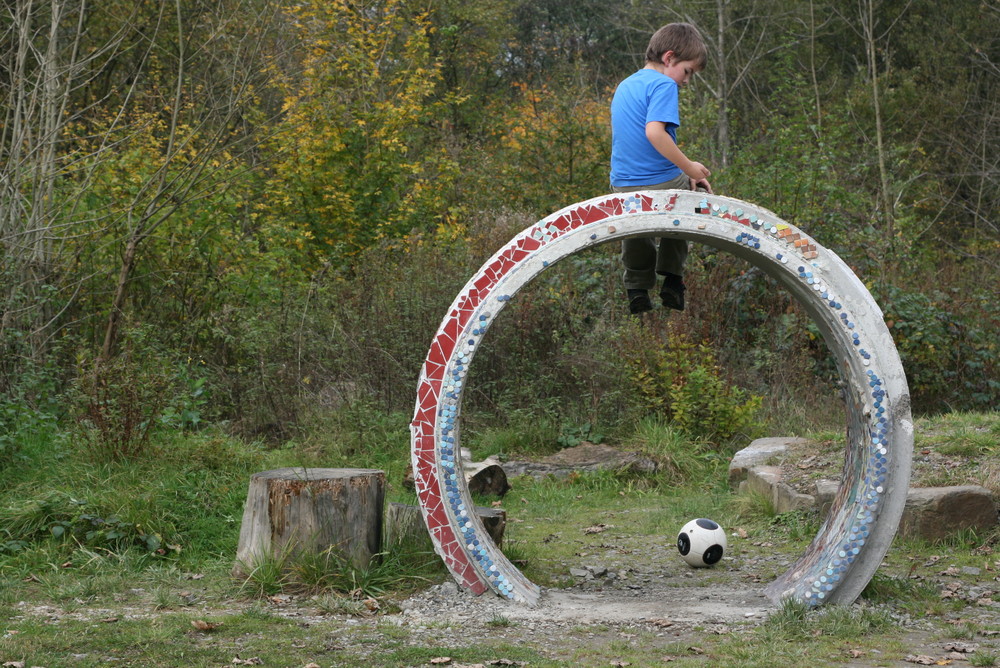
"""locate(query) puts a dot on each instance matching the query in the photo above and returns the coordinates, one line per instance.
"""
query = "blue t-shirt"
(643, 97)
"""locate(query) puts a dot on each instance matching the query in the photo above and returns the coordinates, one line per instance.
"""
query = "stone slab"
(761, 451)
(762, 479)
(786, 499)
(934, 513)
(825, 491)
(931, 513)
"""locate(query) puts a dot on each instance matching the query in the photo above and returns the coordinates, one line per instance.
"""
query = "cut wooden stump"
(486, 478)
(404, 523)
(295, 511)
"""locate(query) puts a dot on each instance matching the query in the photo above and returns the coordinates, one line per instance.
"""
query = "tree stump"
(294, 511)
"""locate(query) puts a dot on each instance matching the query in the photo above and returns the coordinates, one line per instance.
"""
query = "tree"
(743, 38)
(360, 156)
(43, 64)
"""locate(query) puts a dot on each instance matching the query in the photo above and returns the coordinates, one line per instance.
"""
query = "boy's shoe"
(638, 301)
(672, 292)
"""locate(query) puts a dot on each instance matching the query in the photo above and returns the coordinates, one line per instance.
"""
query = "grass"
(101, 593)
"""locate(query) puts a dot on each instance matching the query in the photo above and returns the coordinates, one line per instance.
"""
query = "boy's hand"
(698, 173)
(702, 185)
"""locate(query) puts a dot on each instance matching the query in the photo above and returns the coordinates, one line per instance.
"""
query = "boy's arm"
(656, 133)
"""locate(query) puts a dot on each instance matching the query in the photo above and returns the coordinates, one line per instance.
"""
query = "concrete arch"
(850, 545)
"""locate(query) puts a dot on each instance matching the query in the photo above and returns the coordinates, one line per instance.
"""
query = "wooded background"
(242, 210)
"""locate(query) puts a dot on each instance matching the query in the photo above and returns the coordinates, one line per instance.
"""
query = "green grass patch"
(80, 578)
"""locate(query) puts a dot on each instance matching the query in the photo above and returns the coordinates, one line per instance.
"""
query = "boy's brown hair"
(681, 38)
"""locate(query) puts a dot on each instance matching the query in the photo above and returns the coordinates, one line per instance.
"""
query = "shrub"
(684, 383)
(119, 400)
(62, 518)
(949, 357)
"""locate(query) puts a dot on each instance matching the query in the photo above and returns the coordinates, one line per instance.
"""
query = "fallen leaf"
(597, 528)
(921, 659)
(202, 625)
(620, 664)
(32, 578)
(252, 661)
(741, 532)
(311, 665)
(109, 620)
(440, 660)
(666, 659)
(67, 564)
(371, 604)
(497, 504)
(696, 650)
(662, 623)
(196, 576)
(950, 571)
(855, 653)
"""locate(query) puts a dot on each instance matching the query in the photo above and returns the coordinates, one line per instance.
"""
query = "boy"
(644, 156)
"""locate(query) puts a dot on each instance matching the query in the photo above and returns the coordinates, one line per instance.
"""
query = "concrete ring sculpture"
(862, 521)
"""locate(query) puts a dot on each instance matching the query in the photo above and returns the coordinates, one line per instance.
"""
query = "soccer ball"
(701, 543)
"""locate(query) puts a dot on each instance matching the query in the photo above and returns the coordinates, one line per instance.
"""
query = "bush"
(949, 357)
(119, 401)
(684, 383)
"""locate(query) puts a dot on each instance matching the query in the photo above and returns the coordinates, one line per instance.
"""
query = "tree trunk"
(723, 115)
(118, 301)
(885, 191)
(295, 511)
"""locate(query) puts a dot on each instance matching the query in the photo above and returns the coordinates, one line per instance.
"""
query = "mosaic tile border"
(863, 519)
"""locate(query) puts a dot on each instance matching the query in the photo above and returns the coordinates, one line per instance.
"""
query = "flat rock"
(785, 498)
(584, 457)
(825, 491)
(760, 452)
(931, 513)
(761, 480)
(937, 512)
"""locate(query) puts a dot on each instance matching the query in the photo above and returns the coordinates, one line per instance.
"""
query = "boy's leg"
(672, 253)
(639, 259)
(670, 258)
(643, 258)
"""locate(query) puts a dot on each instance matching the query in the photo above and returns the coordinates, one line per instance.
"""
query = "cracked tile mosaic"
(874, 440)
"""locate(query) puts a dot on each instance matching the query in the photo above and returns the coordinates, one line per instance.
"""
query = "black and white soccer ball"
(701, 543)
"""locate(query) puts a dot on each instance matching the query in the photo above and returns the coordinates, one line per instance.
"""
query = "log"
(403, 523)
(295, 511)
(486, 478)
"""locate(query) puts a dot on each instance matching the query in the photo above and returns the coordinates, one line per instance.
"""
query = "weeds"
(986, 658)
(397, 570)
(680, 458)
(498, 621)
